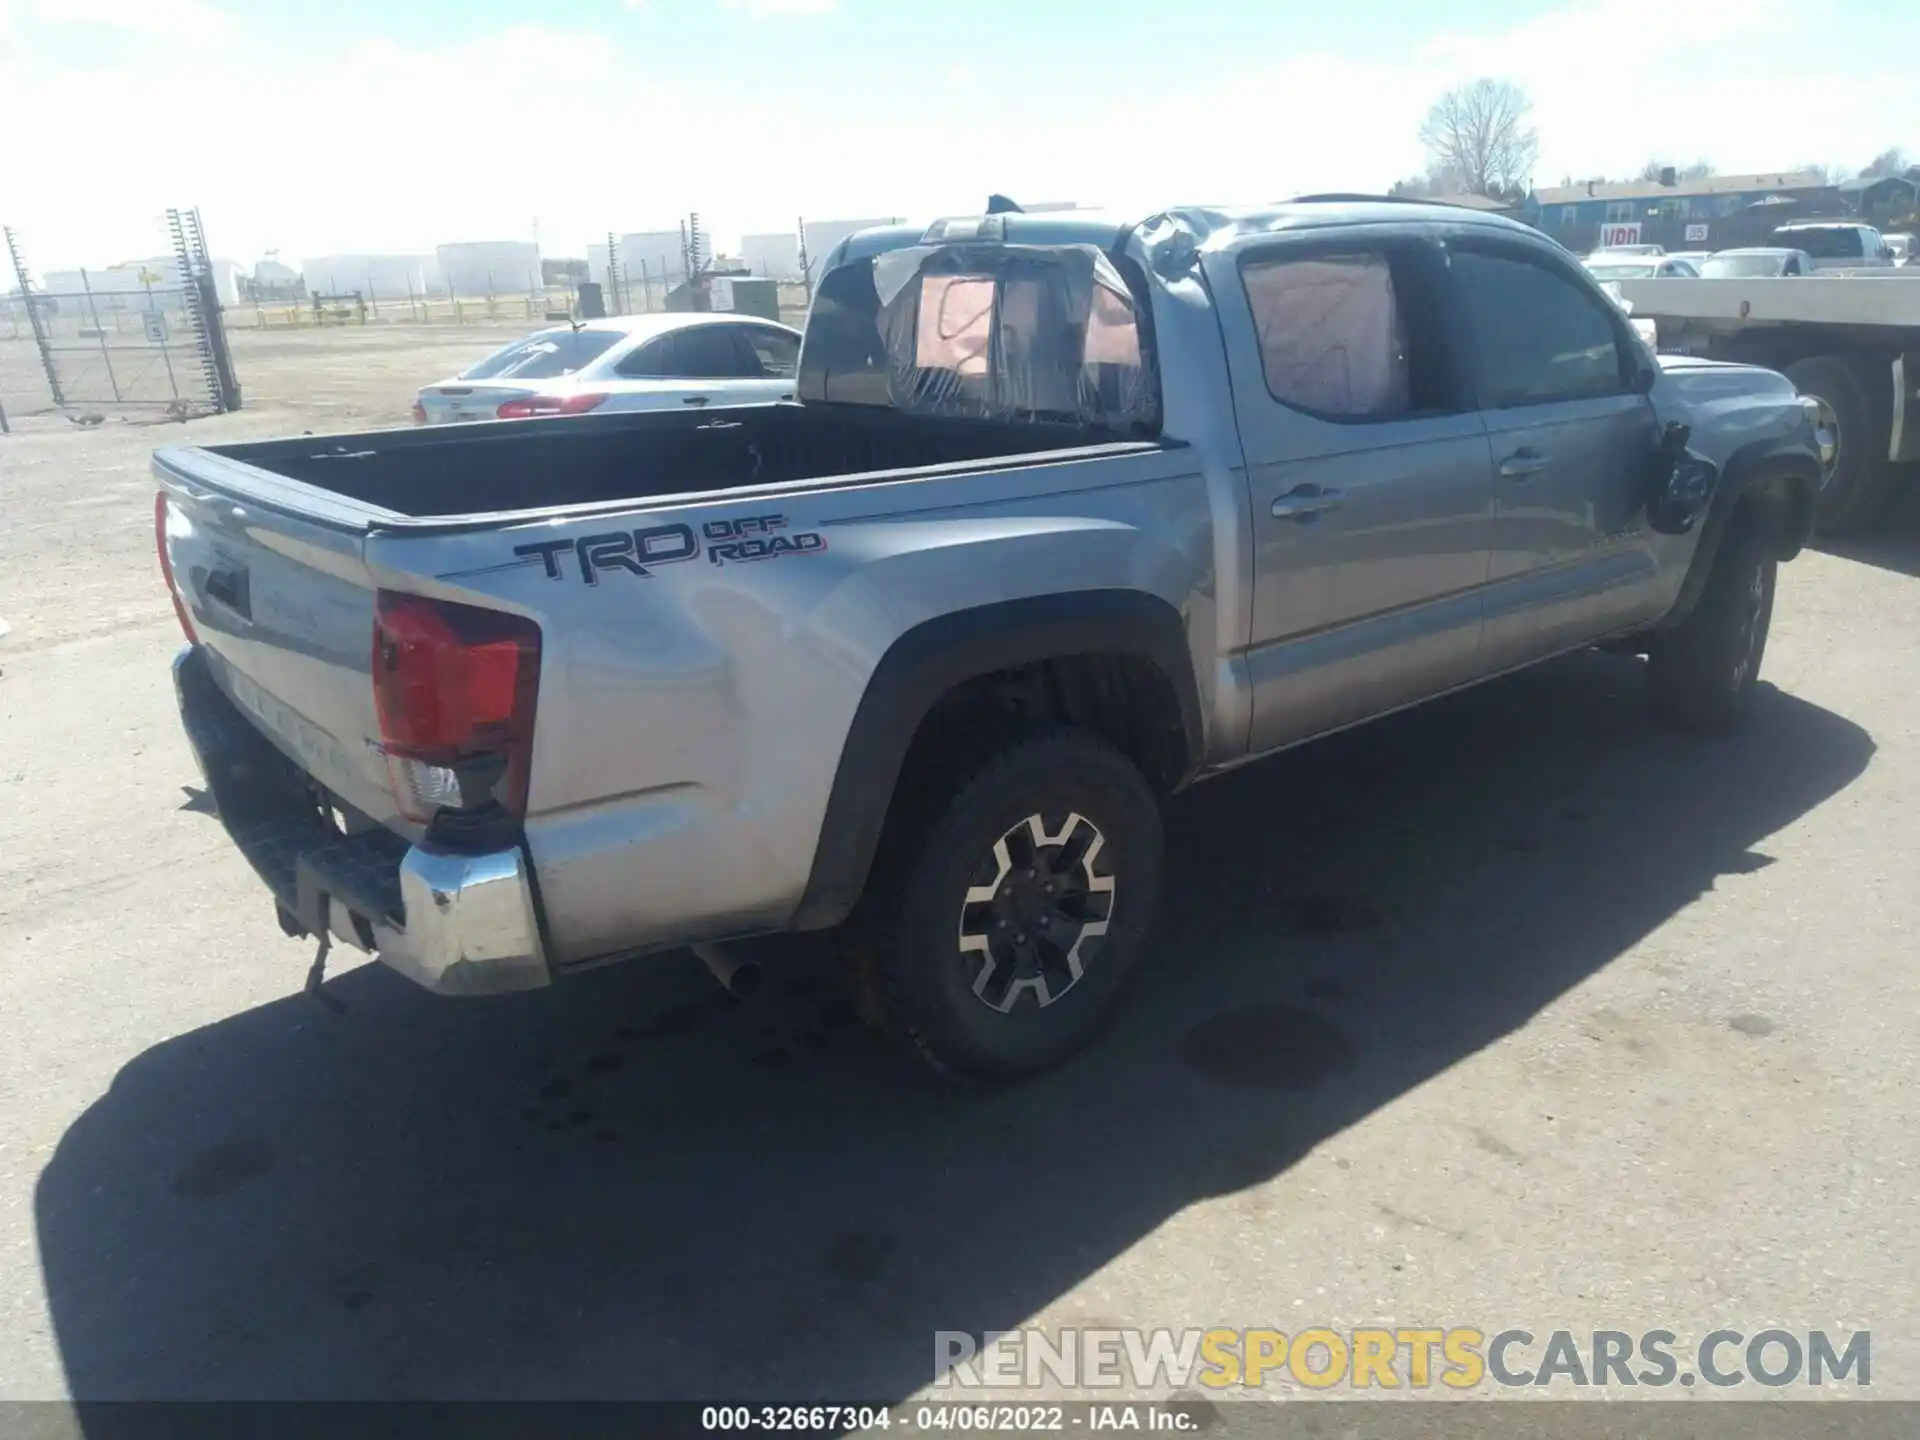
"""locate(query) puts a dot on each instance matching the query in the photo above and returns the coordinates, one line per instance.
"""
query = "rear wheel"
(1701, 676)
(1860, 483)
(997, 936)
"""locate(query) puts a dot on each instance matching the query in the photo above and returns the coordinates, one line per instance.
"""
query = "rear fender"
(936, 657)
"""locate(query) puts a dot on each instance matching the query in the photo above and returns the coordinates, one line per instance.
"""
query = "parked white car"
(630, 362)
(1756, 263)
(1834, 244)
(1606, 265)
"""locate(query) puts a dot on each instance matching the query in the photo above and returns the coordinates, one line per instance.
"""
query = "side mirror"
(1681, 485)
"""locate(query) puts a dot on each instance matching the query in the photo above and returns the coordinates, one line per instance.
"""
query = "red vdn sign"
(1614, 236)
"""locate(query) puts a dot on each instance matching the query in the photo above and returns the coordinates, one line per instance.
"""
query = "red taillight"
(455, 687)
(160, 509)
(537, 405)
(419, 413)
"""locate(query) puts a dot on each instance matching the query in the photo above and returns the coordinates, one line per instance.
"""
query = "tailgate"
(282, 603)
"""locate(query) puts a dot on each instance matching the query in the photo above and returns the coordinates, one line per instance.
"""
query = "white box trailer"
(1850, 341)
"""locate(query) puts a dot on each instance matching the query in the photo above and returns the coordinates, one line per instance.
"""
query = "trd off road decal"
(637, 552)
(757, 537)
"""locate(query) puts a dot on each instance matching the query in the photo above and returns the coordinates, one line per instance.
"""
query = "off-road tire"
(913, 979)
(1701, 675)
(1864, 483)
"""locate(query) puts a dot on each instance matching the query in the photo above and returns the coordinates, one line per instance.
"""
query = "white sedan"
(629, 362)
(1613, 265)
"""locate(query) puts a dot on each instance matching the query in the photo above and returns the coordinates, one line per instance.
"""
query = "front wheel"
(1701, 675)
(1000, 938)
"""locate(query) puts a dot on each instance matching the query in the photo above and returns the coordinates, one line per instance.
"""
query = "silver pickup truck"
(1071, 513)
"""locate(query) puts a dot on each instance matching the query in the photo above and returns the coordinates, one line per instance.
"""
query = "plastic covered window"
(1022, 333)
(1331, 337)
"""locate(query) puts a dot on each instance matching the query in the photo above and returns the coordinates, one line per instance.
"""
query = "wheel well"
(1124, 698)
(1781, 501)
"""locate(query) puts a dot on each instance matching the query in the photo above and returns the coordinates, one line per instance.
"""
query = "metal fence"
(413, 306)
(151, 339)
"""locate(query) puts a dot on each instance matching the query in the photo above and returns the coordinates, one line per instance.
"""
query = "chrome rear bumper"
(456, 923)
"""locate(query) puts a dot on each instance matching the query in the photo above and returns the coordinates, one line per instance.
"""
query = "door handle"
(1522, 463)
(1302, 503)
(693, 399)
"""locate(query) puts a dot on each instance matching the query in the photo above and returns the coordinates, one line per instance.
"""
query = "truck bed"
(504, 467)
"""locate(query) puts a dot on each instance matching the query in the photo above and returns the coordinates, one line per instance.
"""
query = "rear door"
(283, 605)
(777, 352)
(700, 366)
(1572, 436)
(1369, 476)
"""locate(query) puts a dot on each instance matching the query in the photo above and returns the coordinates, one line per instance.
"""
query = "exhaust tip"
(739, 978)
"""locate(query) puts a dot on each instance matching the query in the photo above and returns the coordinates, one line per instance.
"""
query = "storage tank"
(377, 277)
(485, 267)
(773, 256)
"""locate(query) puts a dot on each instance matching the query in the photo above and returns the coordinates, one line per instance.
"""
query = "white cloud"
(760, 9)
(174, 17)
(389, 148)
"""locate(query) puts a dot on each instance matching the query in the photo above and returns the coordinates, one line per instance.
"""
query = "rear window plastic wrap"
(1041, 334)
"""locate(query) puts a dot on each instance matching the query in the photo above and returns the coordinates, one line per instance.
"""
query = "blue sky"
(393, 125)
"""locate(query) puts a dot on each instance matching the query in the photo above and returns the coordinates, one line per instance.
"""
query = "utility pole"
(613, 291)
(806, 261)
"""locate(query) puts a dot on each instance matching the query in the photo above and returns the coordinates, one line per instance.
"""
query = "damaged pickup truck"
(1071, 513)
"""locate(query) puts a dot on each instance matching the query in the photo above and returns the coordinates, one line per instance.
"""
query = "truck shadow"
(630, 1187)
(1893, 544)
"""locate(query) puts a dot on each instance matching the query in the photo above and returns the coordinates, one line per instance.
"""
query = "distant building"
(775, 255)
(1886, 201)
(125, 286)
(486, 267)
(654, 255)
(376, 277)
(1715, 213)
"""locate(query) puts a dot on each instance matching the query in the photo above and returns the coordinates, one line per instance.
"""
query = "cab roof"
(1199, 226)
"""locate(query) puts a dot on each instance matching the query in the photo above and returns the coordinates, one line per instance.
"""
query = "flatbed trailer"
(1850, 341)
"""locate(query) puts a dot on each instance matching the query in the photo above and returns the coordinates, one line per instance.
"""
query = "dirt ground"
(1510, 1011)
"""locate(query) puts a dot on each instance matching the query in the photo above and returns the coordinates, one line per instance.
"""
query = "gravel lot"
(1507, 1012)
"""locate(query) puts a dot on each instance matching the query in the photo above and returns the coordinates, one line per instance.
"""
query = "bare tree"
(1827, 174)
(1888, 162)
(1436, 182)
(1479, 134)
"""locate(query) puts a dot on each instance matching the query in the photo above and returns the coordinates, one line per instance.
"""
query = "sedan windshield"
(1625, 270)
(1741, 267)
(546, 356)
